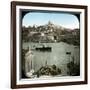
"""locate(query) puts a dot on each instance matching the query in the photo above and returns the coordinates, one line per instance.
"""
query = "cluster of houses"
(49, 33)
(45, 33)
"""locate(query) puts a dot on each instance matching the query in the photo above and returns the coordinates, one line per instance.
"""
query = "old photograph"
(50, 44)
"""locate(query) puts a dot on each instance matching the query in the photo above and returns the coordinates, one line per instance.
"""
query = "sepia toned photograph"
(50, 44)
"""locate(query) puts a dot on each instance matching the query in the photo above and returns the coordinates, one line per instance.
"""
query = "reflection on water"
(58, 56)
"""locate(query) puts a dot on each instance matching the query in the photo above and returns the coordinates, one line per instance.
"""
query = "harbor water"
(57, 56)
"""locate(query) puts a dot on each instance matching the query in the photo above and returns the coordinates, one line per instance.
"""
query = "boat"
(68, 53)
(43, 48)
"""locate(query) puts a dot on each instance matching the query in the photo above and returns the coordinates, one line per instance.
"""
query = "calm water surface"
(57, 56)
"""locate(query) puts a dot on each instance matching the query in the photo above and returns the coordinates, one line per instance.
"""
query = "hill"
(50, 33)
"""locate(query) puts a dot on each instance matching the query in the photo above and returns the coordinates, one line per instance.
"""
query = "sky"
(63, 19)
